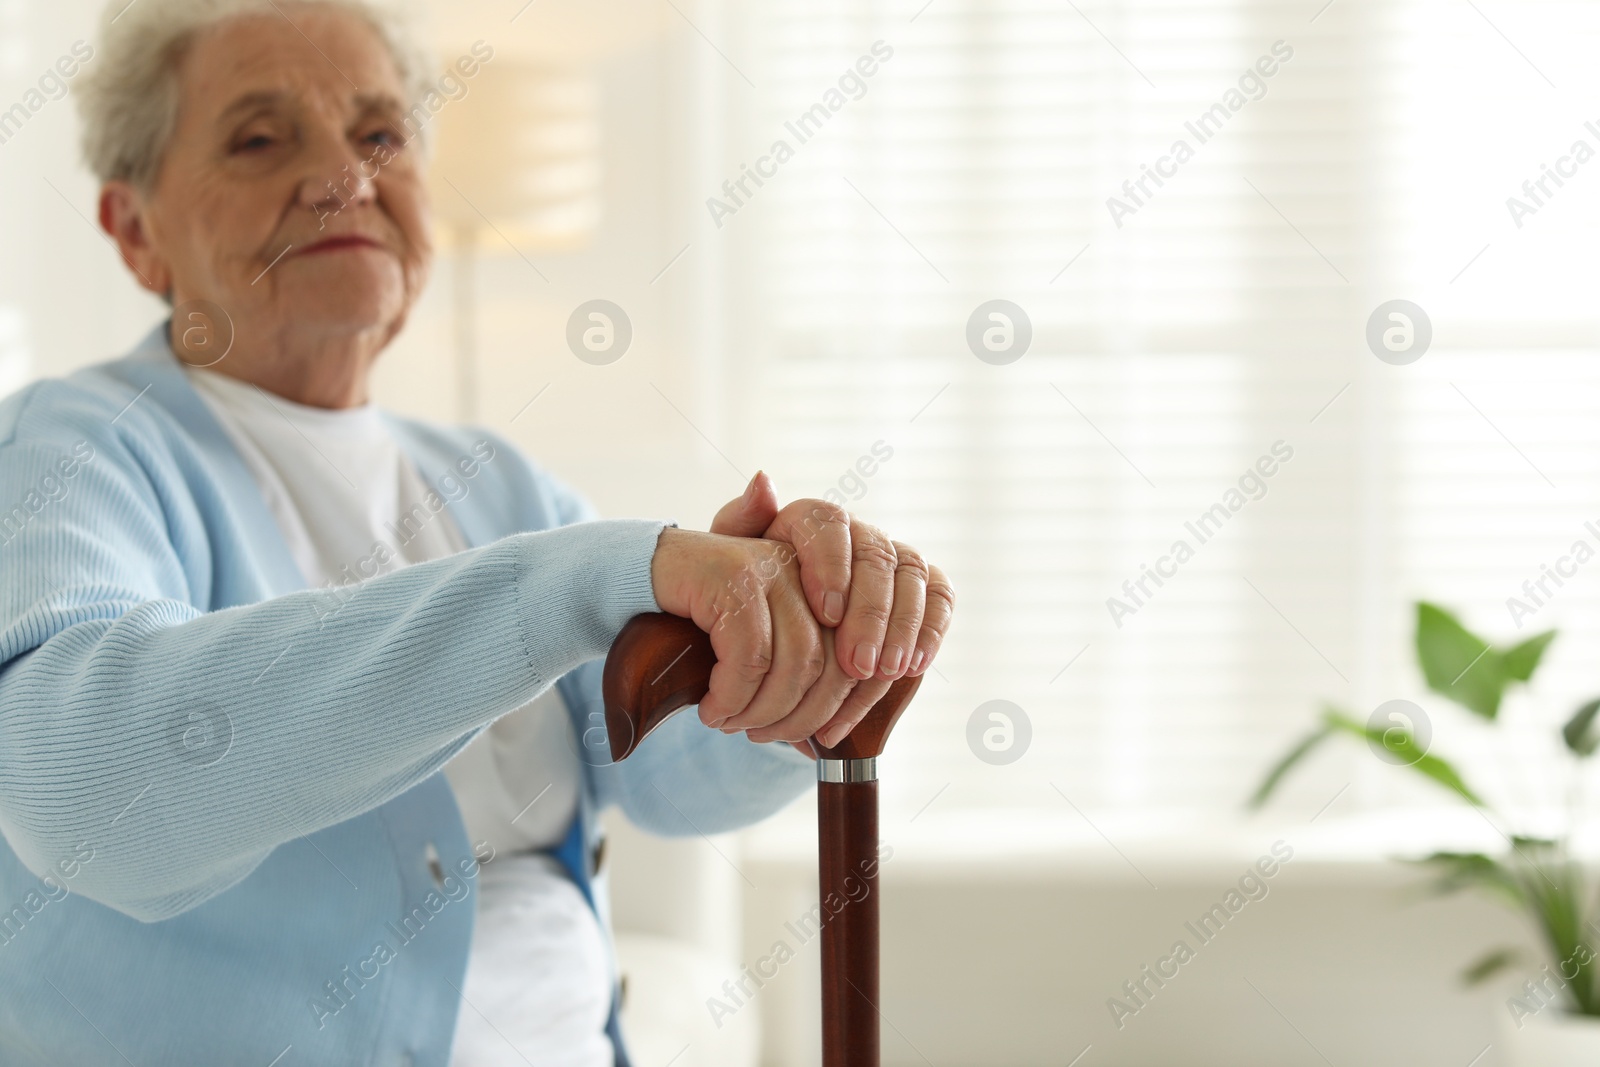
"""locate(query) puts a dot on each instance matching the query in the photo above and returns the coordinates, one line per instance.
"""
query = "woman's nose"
(337, 178)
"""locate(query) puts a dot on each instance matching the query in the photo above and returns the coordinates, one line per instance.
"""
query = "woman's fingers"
(853, 710)
(749, 514)
(923, 604)
(722, 582)
(797, 662)
(742, 640)
(905, 618)
(820, 535)
(819, 705)
(872, 569)
(939, 608)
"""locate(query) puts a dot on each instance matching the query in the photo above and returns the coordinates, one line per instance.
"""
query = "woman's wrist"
(672, 568)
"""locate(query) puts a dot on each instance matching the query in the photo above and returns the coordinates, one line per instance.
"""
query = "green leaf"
(1474, 870)
(1537, 879)
(1402, 744)
(1521, 660)
(1553, 887)
(1458, 663)
(1534, 848)
(1491, 964)
(1299, 752)
(1580, 733)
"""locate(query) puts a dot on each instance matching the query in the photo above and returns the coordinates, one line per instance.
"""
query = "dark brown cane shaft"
(847, 839)
(661, 663)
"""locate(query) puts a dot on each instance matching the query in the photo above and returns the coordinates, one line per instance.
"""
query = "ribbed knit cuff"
(571, 607)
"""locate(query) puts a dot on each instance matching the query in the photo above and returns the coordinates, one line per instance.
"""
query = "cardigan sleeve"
(183, 744)
(685, 778)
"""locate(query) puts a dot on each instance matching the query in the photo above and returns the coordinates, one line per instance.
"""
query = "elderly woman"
(291, 687)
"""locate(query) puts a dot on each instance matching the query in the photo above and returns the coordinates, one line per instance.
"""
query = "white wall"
(58, 274)
(1009, 962)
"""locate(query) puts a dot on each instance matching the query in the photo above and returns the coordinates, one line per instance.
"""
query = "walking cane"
(660, 663)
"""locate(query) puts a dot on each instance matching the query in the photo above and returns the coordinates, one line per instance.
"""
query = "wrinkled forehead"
(320, 59)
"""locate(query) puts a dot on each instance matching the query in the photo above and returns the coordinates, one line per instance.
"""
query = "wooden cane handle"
(662, 663)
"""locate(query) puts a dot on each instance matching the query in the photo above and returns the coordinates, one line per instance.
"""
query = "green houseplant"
(1535, 875)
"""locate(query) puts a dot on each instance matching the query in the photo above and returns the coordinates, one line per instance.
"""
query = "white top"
(351, 505)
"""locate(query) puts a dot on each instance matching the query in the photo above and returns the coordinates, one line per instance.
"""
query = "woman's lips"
(340, 244)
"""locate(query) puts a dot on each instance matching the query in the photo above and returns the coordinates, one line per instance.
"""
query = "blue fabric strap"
(573, 855)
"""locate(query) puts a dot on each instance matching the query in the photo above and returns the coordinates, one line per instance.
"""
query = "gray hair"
(128, 100)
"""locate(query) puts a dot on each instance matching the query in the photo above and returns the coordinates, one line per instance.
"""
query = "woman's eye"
(253, 143)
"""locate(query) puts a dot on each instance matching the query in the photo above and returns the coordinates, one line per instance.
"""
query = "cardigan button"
(435, 868)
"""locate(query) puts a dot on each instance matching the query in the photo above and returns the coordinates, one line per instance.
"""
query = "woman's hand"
(891, 609)
(776, 674)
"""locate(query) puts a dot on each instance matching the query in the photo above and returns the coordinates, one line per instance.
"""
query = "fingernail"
(833, 608)
(916, 661)
(866, 657)
(891, 659)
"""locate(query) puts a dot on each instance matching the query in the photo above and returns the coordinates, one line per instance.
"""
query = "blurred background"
(819, 325)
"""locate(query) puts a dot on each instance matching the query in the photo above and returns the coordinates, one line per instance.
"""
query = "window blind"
(1175, 346)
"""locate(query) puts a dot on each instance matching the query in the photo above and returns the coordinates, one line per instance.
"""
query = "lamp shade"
(519, 153)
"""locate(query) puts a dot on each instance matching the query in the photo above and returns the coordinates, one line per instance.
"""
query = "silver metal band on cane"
(848, 770)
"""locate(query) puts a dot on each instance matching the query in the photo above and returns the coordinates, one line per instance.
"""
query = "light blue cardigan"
(219, 790)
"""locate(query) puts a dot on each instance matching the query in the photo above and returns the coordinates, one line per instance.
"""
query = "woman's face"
(287, 194)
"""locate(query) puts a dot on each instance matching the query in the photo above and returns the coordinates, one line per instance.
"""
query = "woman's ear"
(122, 217)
